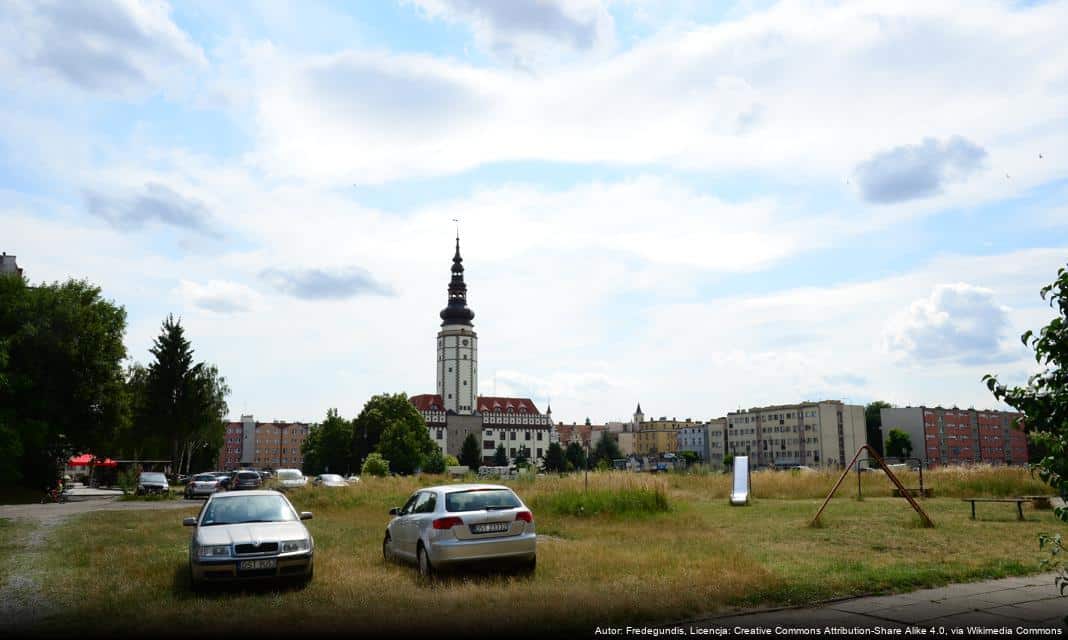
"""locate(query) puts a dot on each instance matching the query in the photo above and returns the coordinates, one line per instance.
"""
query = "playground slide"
(740, 493)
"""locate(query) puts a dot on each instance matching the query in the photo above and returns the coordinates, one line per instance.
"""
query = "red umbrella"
(106, 462)
(81, 461)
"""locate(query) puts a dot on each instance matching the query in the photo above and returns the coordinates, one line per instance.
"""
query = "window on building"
(539, 437)
(526, 435)
(487, 445)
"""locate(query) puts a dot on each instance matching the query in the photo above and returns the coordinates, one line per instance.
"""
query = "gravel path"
(22, 603)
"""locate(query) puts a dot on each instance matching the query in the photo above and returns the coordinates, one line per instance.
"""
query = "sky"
(696, 206)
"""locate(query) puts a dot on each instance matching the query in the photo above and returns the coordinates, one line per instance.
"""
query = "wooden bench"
(1019, 504)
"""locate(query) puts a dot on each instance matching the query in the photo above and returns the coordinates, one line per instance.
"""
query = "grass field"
(127, 571)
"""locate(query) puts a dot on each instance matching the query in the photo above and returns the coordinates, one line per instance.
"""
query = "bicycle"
(54, 495)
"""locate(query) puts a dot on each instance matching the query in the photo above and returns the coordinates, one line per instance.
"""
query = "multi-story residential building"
(953, 436)
(456, 410)
(706, 440)
(823, 433)
(9, 265)
(263, 445)
(659, 435)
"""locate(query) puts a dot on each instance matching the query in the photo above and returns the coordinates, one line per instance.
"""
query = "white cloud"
(522, 30)
(801, 92)
(219, 296)
(957, 322)
(107, 46)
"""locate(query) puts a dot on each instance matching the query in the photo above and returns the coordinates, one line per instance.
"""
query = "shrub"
(128, 480)
(375, 465)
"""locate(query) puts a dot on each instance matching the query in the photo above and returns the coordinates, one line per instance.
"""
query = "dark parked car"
(152, 482)
(247, 479)
(224, 479)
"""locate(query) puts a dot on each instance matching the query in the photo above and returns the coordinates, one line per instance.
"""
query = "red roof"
(485, 404)
(427, 402)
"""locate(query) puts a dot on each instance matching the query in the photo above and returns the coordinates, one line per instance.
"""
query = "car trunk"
(496, 523)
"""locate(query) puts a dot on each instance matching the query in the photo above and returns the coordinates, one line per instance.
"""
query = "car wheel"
(387, 548)
(426, 569)
(529, 566)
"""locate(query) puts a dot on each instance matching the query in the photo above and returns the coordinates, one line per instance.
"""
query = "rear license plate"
(253, 565)
(490, 527)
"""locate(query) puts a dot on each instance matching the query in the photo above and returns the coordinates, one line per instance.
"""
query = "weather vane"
(457, 221)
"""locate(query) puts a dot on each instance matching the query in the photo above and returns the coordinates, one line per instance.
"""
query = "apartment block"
(955, 436)
(824, 433)
(660, 435)
(262, 445)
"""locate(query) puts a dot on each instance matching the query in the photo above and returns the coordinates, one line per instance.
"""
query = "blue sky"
(699, 206)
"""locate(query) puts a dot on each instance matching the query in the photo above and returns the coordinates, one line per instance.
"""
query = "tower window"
(465, 356)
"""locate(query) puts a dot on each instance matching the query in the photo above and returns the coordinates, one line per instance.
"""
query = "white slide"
(740, 493)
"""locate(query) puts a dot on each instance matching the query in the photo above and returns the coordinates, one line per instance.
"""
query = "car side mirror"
(394, 511)
(189, 522)
(305, 515)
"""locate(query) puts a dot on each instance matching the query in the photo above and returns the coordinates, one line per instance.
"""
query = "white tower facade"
(457, 361)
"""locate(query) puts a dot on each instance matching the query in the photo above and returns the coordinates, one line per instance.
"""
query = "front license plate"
(253, 565)
(491, 527)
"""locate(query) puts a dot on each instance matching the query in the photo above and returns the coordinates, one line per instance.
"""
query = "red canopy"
(88, 459)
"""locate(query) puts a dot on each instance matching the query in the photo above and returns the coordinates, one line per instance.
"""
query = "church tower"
(457, 346)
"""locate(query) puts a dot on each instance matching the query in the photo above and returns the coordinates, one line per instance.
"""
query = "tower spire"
(457, 311)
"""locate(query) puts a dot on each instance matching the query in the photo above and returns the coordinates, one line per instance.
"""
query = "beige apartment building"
(825, 433)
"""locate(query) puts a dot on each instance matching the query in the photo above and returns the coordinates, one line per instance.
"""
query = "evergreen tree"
(328, 447)
(500, 457)
(470, 456)
(554, 458)
(898, 444)
(606, 449)
(575, 456)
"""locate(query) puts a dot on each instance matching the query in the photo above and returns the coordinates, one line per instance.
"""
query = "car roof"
(447, 488)
(238, 494)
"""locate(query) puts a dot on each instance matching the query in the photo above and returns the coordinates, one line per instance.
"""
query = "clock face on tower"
(465, 342)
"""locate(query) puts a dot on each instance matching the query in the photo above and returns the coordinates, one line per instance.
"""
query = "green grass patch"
(689, 553)
(639, 501)
(13, 536)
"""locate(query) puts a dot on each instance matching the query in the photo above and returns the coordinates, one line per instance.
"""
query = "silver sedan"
(249, 534)
(455, 524)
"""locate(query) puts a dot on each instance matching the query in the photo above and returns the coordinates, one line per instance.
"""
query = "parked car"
(224, 479)
(250, 535)
(352, 478)
(450, 525)
(246, 479)
(152, 482)
(290, 478)
(202, 484)
(329, 480)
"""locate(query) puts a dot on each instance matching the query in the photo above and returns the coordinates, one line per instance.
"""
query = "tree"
(500, 456)
(328, 447)
(1043, 401)
(62, 386)
(728, 461)
(898, 444)
(606, 449)
(554, 458)
(405, 442)
(873, 422)
(522, 457)
(435, 462)
(575, 455)
(470, 456)
(378, 412)
(375, 465)
(690, 457)
(184, 404)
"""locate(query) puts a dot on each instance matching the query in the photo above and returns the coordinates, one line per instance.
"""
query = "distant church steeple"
(457, 364)
(457, 311)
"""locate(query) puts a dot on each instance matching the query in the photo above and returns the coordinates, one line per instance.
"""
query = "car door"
(401, 529)
(422, 517)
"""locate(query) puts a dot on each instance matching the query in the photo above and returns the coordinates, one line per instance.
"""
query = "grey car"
(249, 535)
(202, 484)
(453, 525)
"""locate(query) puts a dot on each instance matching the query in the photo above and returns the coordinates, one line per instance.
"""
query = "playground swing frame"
(905, 493)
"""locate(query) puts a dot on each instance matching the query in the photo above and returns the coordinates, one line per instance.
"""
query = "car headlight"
(289, 546)
(217, 551)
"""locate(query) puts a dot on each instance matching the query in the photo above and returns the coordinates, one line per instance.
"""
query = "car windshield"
(480, 499)
(205, 477)
(153, 477)
(289, 475)
(331, 478)
(238, 509)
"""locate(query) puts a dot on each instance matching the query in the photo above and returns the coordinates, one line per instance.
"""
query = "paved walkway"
(1031, 602)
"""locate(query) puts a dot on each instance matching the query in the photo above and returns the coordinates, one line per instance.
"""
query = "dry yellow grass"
(127, 572)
